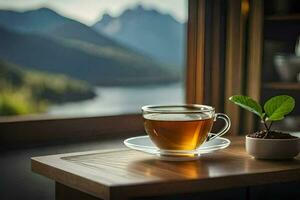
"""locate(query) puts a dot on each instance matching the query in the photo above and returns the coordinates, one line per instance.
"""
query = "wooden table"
(125, 174)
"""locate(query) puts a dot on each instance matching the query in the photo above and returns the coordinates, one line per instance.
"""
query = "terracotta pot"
(272, 148)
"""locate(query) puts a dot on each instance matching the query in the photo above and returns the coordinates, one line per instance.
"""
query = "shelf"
(282, 86)
(283, 17)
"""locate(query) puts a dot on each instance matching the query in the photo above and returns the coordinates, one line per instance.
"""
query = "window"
(194, 76)
(90, 58)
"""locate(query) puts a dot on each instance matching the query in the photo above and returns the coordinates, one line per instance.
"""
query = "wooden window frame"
(243, 59)
(16, 131)
(235, 53)
(205, 53)
(224, 61)
(195, 52)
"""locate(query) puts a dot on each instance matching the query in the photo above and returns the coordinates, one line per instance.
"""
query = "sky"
(90, 11)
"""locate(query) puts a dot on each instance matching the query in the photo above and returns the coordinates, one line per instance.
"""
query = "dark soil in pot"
(271, 135)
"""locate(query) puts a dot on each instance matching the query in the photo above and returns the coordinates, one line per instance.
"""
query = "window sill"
(46, 130)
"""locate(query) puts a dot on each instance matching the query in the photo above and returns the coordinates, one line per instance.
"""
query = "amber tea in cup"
(181, 127)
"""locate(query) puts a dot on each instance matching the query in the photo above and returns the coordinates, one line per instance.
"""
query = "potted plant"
(268, 143)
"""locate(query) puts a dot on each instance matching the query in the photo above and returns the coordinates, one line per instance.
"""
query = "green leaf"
(277, 107)
(247, 103)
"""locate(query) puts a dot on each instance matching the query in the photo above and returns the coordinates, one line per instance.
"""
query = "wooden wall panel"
(254, 57)
(234, 66)
(216, 63)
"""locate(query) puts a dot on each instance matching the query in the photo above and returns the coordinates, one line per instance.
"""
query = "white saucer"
(144, 144)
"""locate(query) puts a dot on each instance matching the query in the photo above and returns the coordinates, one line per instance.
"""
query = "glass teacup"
(181, 127)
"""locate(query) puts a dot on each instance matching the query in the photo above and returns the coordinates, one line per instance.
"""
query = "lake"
(121, 100)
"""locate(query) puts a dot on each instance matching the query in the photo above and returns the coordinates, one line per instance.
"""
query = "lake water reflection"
(121, 100)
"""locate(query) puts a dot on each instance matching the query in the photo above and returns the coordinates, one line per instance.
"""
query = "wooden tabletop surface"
(111, 174)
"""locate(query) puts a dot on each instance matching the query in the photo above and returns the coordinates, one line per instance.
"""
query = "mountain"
(149, 31)
(47, 22)
(95, 64)
(23, 91)
(40, 20)
(45, 40)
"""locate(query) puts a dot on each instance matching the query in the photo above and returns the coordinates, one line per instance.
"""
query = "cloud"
(89, 11)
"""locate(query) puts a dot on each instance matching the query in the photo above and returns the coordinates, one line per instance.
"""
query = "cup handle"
(223, 130)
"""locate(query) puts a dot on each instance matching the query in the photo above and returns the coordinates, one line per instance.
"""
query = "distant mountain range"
(44, 40)
(158, 35)
(40, 20)
(47, 22)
